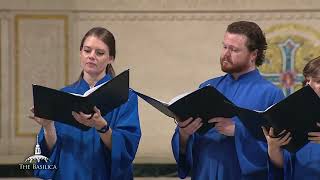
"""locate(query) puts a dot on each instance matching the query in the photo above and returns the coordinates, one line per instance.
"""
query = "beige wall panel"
(5, 90)
(2, 141)
(40, 58)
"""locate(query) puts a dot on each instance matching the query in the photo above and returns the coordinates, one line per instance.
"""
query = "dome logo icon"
(33, 162)
(37, 157)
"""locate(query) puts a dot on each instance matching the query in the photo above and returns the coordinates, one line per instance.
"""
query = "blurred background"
(170, 47)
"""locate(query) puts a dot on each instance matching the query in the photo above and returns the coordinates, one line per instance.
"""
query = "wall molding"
(18, 18)
(159, 5)
(85, 16)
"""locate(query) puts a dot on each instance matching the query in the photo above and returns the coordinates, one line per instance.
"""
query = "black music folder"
(58, 105)
(297, 113)
(205, 103)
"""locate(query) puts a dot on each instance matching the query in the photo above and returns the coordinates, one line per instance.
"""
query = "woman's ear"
(111, 59)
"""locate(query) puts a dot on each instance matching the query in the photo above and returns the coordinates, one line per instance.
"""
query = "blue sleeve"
(252, 154)
(278, 96)
(285, 173)
(288, 167)
(126, 135)
(53, 155)
(184, 161)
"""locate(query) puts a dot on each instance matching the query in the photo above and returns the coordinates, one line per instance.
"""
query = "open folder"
(58, 105)
(205, 103)
(298, 114)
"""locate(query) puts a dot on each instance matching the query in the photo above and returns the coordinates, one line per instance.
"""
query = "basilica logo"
(33, 162)
(37, 155)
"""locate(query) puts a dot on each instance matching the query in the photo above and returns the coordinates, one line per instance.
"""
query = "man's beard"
(229, 67)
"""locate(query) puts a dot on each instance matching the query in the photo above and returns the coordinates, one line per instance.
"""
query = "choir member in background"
(304, 164)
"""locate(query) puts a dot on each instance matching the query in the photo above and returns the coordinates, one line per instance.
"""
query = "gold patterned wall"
(291, 46)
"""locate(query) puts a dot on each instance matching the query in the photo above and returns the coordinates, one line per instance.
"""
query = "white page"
(178, 97)
(91, 90)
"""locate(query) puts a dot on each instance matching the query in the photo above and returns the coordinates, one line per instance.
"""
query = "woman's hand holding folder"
(41, 121)
(274, 145)
(48, 128)
(91, 120)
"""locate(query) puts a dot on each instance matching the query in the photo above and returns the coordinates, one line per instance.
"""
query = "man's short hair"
(256, 38)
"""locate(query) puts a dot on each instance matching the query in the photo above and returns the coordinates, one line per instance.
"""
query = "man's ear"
(254, 55)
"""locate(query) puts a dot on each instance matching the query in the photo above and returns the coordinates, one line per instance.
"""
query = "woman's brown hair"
(311, 69)
(107, 37)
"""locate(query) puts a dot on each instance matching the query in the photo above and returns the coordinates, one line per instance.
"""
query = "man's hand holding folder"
(205, 103)
(186, 129)
(224, 126)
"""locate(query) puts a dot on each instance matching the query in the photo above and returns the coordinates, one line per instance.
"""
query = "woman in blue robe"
(305, 163)
(106, 150)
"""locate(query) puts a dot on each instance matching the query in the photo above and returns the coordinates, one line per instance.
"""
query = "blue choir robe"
(304, 164)
(214, 156)
(82, 155)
